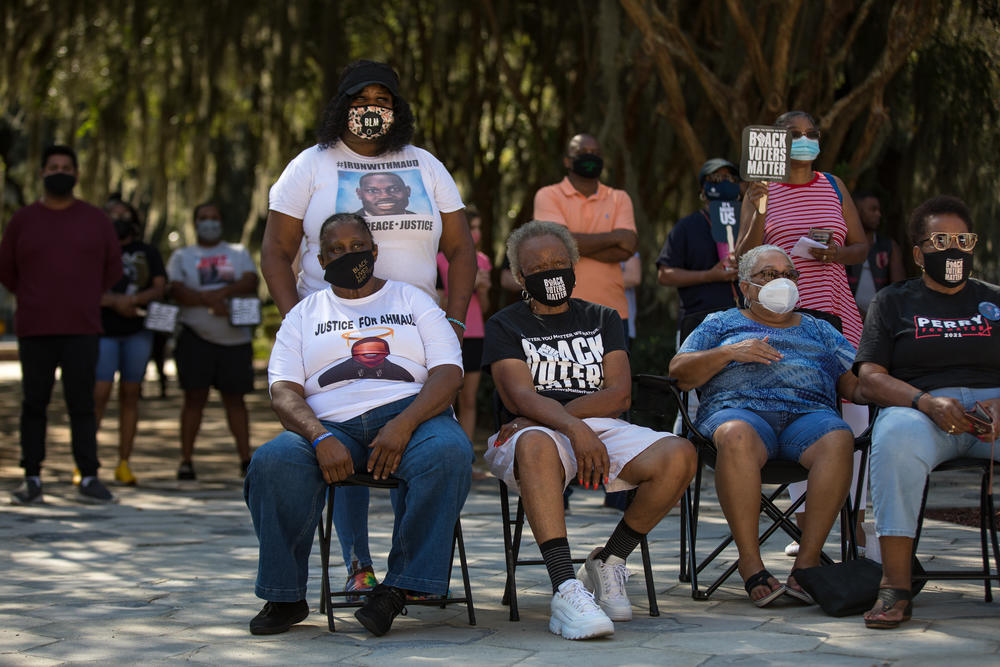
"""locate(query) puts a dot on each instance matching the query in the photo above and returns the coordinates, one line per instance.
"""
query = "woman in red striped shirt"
(810, 199)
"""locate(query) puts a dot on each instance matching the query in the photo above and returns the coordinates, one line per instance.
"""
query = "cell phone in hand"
(821, 235)
(980, 419)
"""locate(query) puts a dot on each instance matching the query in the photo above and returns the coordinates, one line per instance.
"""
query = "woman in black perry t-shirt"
(930, 351)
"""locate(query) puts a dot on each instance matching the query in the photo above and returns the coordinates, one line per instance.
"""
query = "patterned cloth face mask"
(369, 122)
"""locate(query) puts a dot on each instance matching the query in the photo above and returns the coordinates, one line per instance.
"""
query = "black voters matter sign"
(765, 154)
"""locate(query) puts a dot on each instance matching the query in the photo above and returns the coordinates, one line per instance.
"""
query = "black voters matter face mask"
(949, 267)
(352, 270)
(60, 184)
(552, 288)
(588, 165)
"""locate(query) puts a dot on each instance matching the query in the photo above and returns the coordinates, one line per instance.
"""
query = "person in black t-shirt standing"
(930, 351)
(126, 344)
(562, 372)
(884, 264)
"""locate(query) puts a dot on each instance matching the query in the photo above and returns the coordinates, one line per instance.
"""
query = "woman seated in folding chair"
(930, 351)
(362, 377)
(768, 380)
(560, 364)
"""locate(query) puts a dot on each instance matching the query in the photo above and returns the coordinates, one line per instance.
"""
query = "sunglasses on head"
(964, 241)
(810, 134)
(771, 274)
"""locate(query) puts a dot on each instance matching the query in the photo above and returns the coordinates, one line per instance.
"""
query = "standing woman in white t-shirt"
(363, 162)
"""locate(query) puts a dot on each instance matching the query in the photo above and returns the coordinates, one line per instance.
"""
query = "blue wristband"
(454, 321)
(320, 438)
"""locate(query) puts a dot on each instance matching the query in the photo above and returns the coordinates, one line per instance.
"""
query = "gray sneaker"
(29, 493)
(95, 493)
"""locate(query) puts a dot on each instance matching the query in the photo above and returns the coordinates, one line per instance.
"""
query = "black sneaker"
(243, 467)
(384, 604)
(94, 493)
(186, 471)
(277, 617)
(29, 493)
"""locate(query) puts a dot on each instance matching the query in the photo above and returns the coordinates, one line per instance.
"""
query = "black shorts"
(201, 364)
(472, 354)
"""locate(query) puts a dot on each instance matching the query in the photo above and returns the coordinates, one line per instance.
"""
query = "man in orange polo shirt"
(601, 220)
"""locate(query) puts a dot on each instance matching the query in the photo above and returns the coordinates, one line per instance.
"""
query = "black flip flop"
(801, 595)
(761, 579)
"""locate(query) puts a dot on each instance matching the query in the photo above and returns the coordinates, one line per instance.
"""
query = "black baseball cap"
(712, 166)
(367, 72)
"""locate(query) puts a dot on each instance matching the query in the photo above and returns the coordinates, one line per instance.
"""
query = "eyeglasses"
(771, 274)
(810, 134)
(964, 241)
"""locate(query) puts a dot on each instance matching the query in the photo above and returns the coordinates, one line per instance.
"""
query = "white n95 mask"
(779, 295)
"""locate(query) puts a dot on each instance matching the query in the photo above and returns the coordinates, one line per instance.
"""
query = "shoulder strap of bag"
(833, 184)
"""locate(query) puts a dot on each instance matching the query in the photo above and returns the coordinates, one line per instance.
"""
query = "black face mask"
(949, 267)
(123, 228)
(352, 270)
(722, 191)
(60, 184)
(552, 288)
(588, 165)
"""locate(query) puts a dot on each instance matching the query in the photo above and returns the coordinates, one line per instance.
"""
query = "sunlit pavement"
(167, 574)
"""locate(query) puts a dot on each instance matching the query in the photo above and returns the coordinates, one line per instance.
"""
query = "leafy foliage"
(175, 102)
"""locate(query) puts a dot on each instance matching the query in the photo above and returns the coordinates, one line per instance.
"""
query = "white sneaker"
(792, 550)
(575, 615)
(607, 581)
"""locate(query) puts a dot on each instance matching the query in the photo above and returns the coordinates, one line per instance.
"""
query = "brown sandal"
(889, 597)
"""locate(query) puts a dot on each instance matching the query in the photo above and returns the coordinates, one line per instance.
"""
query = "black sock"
(621, 543)
(558, 561)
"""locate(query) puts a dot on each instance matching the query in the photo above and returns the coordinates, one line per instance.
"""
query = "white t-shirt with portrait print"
(320, 182)
(353, 355)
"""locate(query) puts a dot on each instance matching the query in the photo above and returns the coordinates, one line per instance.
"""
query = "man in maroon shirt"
(57, 256)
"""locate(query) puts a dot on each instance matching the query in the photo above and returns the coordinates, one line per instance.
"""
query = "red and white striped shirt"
(792, 209)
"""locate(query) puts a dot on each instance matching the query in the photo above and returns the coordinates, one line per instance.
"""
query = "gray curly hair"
(534, 229)
(748, 262)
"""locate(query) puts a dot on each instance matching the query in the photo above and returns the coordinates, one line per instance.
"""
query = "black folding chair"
(987, 528)
(513, 528)
(655, 391)
(327, 600)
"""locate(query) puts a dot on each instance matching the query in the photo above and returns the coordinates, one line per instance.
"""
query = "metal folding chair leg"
(512, 531)
(327, 596)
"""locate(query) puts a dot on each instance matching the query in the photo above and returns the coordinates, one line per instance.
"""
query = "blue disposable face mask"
(804, 149)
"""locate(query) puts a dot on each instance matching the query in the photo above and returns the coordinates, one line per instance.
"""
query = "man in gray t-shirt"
(210, 351)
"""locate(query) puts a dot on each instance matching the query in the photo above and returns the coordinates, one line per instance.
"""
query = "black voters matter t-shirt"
(565, 351)
(933, 340)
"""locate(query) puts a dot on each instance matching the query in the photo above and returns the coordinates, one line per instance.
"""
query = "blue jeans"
(906, 446)
(128, 354)
(285, 492)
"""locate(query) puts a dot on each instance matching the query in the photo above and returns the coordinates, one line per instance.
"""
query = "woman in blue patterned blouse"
(768, 379)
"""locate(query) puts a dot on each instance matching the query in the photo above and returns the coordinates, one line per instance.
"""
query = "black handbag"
(843, 589)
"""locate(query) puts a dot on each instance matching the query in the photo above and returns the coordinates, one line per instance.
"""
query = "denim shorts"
(786, 436)
(128, 354)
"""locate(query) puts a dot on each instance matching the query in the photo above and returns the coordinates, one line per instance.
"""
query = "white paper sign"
(244, 311)
(161, 316)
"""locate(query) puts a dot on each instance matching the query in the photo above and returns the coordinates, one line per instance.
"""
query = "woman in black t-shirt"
(929, 352)
(562, 372)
